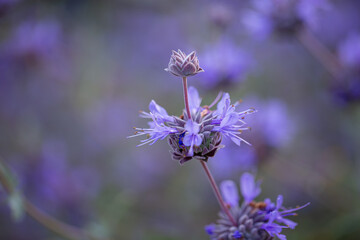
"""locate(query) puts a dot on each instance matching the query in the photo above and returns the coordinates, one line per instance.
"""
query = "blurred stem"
(186, 97)
(217, 192)
(60, 228)
(320, 52)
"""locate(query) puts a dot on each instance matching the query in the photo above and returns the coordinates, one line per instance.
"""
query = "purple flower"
(283, 17)
(199, 135)
(233, 159)
(275, 127)
(349, 51)
(254, 220)
(348, 89)
(192, 136)
(249, 188)
(182, 65)
(36, 39)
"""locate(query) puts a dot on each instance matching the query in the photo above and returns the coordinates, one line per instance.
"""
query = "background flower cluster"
(74, 74)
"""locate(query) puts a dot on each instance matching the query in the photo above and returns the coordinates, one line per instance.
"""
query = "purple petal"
(230, 193)
(279, 202)
(249, 188)
(287, 222)
(197, 140)
(188, 139)
(222, 103)
(194, 98)
(192, 127)
(155, 108)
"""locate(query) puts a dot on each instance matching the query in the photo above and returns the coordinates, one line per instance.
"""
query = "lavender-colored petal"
(194, 98)
(222, 103)
(192, 127)
(155, 108)
(197, 140)
(230, 193)
(279, 202)
(188, 140)
(249, 188)
(287, 222)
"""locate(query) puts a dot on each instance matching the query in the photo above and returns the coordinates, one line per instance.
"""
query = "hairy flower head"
(199, 135)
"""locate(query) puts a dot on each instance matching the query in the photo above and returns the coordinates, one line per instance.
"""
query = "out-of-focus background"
(74, 75)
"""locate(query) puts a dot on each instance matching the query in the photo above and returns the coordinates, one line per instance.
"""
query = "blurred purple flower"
(349, 51)
(52, 181)
(220, 14)
(282, 16)
(254, 220)
(232, 159)
(275, 127)
(34, 40)
(225, 64)
(348, 89)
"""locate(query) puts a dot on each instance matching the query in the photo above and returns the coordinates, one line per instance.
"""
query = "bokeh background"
(74, 74)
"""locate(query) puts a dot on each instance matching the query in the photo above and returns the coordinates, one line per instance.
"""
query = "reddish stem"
(217, 193)
(207, 170)
(186, 98)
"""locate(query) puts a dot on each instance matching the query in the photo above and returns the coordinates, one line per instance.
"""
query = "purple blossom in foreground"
(199, 136)
(232, 67)
(282, 16)
(254, 220)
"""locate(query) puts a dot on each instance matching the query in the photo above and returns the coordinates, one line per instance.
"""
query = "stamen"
(216, 99)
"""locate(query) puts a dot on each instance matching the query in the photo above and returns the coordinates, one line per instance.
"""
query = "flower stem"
(207, 170)
(320, 52)
(217, 192)
(186, 97)
(60, 228)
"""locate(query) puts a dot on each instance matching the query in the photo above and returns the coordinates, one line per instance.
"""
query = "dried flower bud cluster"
(183, 65)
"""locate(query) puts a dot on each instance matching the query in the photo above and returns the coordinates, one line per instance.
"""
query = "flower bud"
(183, 66)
